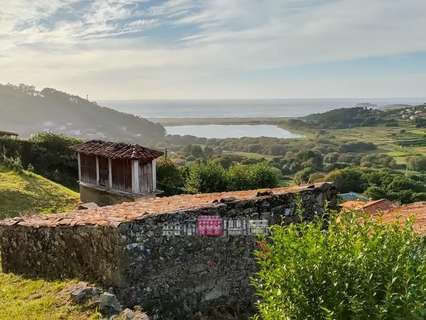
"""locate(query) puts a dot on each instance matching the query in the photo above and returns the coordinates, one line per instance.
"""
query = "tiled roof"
(361, 205)
(128, 211)
(401, 214)
(115, 150)
(8, 133)
(374, 202)
(353, 205)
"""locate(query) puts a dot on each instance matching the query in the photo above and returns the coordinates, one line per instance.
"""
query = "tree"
(303, 175)
(197, 151)
(378, 160)
(206, 177)
(263, 176)
(420, 122)
(417, 163)
(238, 177)
(169, 178)
(347, 180)
(358, 147)
(277, 150)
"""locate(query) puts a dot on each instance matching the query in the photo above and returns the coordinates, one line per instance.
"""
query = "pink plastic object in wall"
(210, 226)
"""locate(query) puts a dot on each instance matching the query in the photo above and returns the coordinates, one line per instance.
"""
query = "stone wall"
(102, 197)
(85, 252)
(158, 261)
(179, 274)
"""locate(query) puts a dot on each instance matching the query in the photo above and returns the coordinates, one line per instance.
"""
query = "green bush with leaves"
(48, 153)
(206, 177)
(347, 180)
(262, 176)
(349, 268)
(169, 178)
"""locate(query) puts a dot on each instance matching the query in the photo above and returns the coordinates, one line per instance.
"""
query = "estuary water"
(232, 131)
(259, 108)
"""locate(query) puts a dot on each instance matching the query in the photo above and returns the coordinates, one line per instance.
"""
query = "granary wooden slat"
(115, 168)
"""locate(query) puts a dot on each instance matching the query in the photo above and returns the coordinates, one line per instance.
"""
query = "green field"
(388, 139)
(25, 192)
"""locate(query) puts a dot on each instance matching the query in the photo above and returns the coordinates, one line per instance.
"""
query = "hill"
(26, 192)
(357, 117)
(25, 110)
(344, 118)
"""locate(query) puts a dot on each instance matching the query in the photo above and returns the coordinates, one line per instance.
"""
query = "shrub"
(13, 163)
(49, 154)
(417, 163)
(238, 177)
(347, 180)
(254, 176)
(169, 178)
(206, 177)
(303, 175)
(358, 147)
(350, 269)
(263, 176)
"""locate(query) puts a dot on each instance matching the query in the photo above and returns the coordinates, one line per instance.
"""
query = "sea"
(259, 108)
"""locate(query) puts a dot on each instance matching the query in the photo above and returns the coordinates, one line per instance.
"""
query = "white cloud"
(168, 48)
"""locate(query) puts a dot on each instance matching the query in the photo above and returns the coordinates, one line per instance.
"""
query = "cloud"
(80, 43)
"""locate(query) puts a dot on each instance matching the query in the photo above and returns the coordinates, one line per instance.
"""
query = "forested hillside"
(26, 111)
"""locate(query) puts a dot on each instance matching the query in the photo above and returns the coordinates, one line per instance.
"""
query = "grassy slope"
(27, 299)
(27, 192)
(22, 298)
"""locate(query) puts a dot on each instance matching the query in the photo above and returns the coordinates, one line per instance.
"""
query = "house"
(378, 206)
(370, 207)
(111, 172)
(7, 134)
(415, 211)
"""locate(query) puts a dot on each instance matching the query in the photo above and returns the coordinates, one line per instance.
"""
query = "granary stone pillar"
(135, 176)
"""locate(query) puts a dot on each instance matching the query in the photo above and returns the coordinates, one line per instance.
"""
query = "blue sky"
(130, 49)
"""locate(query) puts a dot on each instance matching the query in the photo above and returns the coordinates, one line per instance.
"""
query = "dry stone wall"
(161, 262)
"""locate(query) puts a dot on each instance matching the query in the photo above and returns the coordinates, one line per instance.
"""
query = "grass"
(21, 298)
(26, 192)
(386, 138)
(28, 299)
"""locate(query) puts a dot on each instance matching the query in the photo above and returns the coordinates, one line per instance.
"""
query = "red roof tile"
(401, 214)
(145, 207)
(115, 150)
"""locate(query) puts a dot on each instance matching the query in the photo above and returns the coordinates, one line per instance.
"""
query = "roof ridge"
(117, 150)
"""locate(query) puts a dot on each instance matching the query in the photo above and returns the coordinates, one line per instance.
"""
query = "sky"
(202, 49)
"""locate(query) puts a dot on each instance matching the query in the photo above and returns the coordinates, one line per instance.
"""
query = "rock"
(82, 292)
(88, 205)
(128, 314)
(228, 199)
(136, 314)
(109, 304)
(264, 193)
